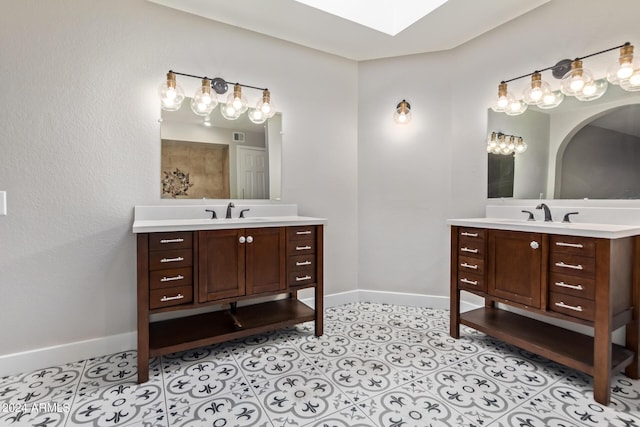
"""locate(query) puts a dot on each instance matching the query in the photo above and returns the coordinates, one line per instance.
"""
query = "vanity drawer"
(170, 278)
(471, 281)
(573, 245)
(301, 233)
(178, 258)
(572, 306)
(167, 297)
(171, 240)
(573, 265)
(303, 277)
(302, 246)
(301, 262)
(471, 247)
(477, 234)
(470, 265)
(572, 285)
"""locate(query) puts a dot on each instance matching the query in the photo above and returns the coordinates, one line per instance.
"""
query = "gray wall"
(80, 147)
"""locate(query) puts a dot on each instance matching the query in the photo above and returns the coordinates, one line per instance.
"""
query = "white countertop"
(160, 225)
(606, 231)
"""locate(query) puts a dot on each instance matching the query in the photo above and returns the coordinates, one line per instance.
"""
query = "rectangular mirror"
(215, 158)
(575, 151)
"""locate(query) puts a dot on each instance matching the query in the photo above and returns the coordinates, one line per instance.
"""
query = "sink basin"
(240, 220)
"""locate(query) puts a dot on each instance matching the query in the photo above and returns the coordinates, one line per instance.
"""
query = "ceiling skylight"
(387, 16)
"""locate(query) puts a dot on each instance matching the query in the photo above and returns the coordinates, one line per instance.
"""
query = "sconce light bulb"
(171, 94)
(503, 101)
(402, 115)
(625, 71)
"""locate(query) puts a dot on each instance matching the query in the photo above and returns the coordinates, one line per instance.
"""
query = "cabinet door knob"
(534, 245)
(249, 239)
(242, 239)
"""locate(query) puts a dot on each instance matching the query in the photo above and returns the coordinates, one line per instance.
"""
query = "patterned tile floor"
(376, 365)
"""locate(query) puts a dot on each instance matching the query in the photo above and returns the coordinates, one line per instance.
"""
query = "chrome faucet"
(229, 206)
(547, 212)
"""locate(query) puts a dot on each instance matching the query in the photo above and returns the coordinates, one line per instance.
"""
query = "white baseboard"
(26, 361)
(39, 358)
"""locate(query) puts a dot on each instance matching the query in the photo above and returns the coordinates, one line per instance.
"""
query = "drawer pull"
(464, 233)
(177, 259)
(164, 241)
(570, 307)
(300, 279)
(298, 263)
(571, 245)
(473, 251)
(303, 248)
(574, 267)
(465, 265)
(166, 298)
(171, 279)
(299, 233)
(566, 285)
(469, 282)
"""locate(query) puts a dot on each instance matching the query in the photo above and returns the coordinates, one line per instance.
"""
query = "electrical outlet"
(3, 202)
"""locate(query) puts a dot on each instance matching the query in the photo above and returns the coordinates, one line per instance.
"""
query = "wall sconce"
(204, 101)
(402, 115)
(500, 143)
(576, 81)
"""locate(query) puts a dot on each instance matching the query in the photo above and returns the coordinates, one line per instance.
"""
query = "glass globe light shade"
(576, 79)
(593, 90)
(503, 100)
(497, 150)
(506, 150)
(625, 66)
(512, 143)
(516, 107)
(502, 142)
(203, 101)
(521, 146)
(171, 93)
(402, 115)
(238, 100)
(632, 84)
(489, 149)
(256, 116)
(229, 112)
(492, 141)
(265, 105)
(551, 99)
(534, 94)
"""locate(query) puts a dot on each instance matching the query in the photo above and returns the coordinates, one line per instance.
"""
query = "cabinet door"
(221, 264)
(515, 266)
(266, 261)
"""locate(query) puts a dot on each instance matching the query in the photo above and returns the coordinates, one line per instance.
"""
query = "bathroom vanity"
(242, 265)
(586, 274)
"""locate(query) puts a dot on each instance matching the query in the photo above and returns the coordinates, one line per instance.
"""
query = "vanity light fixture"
(402, 115)
(575, 81)
(205, 100)
(500, 143)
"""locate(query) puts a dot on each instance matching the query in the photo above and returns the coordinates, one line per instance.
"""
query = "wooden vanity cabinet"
(180, 271)
(241, 262)
(583, 280)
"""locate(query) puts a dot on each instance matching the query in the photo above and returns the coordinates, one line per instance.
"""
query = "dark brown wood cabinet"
(179, 271)
(583, 280)
(516, 267)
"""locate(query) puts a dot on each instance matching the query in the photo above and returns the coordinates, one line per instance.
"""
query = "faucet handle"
(213, 213)
(566, 216)
(531, 217)
(242, 212)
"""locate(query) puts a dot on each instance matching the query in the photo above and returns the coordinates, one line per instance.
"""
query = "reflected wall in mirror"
(572, 150)
(215, 158)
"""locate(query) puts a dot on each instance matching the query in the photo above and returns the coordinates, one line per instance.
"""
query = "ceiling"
(451, 24)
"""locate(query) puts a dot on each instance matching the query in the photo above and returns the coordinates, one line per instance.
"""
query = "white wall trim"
(39, 358)
(26, 361)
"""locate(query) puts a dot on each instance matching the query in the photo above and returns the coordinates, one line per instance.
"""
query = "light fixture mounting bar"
(218, 81)
(563, 62)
